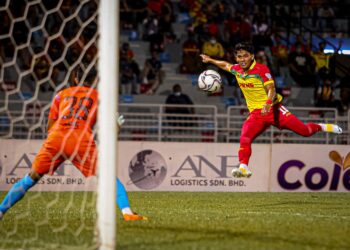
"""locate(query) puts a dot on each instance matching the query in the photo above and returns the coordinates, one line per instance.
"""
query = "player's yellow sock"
(331, 128)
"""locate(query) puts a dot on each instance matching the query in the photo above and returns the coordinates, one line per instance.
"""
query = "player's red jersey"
(252, 84)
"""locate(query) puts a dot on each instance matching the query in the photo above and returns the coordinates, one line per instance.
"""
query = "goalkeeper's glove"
(121, 120)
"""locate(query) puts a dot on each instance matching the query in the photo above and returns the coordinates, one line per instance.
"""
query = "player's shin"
(16, 193)
(124, 205)
(122, 199)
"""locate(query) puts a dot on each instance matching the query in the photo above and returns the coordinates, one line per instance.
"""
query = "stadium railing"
(150, 122)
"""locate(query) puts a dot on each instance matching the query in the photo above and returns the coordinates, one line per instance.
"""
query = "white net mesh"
(41, 42)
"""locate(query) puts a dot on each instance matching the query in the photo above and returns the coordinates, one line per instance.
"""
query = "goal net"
(41, 43)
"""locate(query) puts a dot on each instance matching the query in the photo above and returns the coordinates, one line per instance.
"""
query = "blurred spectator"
(53, 24)
(178, 98)
(212, 28)
(196, 12)
(294, 15)
(321, 58)
(152, 74)
(132, 12)
(126, 51)
(321, 63)
(10, 77)
(5, 24)
(20, 33)
(246, 29)
(345, 93)
(58, 74)
(7, 50)
(150, 26)
(308, 15)
(152, 34)
(202, 33)
(90, 54)
(261, 57)
(261, 32)
(325, 96)
(157, 43)
(301, 67)
(232, 29)
(71, 29)
(87, 10)
(24, 59)
(155, 6)
(41, 67)
(280, 58)
(167, 17)
(213, 48)
(68, 7)
(56, 47)
(129, 74)
(299, 41)
(190, 54)
(73, 53)
(325, 16)
(279, 13)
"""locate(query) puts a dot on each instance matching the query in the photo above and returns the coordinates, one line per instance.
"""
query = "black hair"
(91, 76)
(78, 75)
(176, 87)
(247, 46)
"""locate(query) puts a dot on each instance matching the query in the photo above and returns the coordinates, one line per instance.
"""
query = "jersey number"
(284, 110)
(79, 111)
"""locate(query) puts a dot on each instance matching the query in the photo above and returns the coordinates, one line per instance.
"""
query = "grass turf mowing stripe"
(184, 220)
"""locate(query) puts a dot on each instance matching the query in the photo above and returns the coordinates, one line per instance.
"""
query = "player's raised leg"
(18, 190)
(291, 122)
(124, 205)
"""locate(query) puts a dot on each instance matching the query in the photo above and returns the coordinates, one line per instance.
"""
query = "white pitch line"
(298, 214)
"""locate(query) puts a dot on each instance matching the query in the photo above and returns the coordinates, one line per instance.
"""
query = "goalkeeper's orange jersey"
(74, 108)
(70, 137)
(252, 84)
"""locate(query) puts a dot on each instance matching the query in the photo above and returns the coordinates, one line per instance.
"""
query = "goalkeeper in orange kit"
(70, 137)
(258, 88)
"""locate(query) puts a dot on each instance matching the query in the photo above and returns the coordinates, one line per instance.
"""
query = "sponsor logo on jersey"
(246, 85)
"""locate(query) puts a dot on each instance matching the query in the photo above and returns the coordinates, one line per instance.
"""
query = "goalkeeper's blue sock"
(16, 193)
(122, 198)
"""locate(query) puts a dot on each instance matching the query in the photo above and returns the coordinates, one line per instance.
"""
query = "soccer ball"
(209, 80)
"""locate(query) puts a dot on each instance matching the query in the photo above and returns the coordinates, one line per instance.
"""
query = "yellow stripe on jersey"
(268, 82)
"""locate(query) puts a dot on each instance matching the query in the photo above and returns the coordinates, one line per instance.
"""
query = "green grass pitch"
(181, 220)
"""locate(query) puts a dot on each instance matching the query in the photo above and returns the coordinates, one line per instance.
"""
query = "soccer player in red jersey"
(264, 104)
(70, 137)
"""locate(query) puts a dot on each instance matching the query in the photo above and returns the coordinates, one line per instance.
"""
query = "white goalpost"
(107, 121)
(42, 42)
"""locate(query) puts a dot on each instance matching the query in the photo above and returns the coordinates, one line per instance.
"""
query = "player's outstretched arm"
(221, 64)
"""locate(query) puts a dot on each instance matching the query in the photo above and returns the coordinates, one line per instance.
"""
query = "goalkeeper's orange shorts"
(80, 149)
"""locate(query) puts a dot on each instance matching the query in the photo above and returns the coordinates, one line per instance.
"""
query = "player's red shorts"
(279, 117)
(80, 149)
